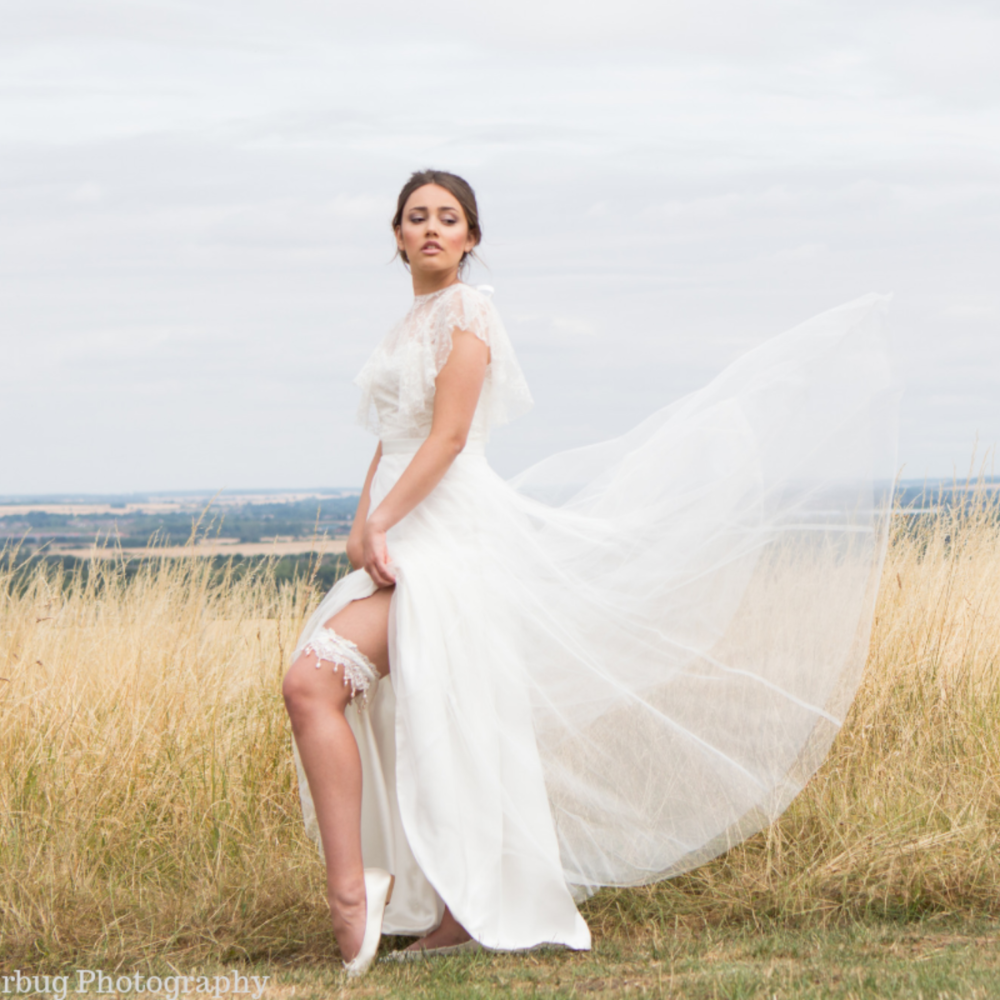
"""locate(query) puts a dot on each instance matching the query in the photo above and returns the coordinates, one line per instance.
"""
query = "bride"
(605, 671)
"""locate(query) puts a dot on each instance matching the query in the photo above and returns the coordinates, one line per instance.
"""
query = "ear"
(398, 230)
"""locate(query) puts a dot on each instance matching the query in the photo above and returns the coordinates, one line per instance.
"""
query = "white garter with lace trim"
(359, 671)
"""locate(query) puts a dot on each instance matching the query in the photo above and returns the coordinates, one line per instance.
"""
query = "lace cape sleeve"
(420, 345)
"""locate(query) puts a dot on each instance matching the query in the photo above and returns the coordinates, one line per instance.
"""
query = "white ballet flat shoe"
(378, 891)
(415, 954)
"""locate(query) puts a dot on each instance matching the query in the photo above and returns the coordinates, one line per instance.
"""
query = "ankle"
(447, 934)
(346, 894)
(346, 903)
(348, 912)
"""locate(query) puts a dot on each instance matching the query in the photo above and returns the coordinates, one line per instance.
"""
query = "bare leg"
(447, 933)
(316, 700)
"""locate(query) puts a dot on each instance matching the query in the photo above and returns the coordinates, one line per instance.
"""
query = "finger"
(380, 557)
(385, 573)
(377, 573)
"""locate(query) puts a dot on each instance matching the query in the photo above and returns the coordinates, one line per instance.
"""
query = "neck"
(425, 284)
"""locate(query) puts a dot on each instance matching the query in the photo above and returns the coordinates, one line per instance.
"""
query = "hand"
(375, 556)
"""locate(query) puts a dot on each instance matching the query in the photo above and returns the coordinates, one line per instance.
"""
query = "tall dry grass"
(148, 801)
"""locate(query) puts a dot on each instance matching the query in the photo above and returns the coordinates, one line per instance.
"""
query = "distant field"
(212, 547)
(277, 523)
(260, 524)
(162, 504)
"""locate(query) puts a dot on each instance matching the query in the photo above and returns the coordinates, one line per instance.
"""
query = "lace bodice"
(398, 381)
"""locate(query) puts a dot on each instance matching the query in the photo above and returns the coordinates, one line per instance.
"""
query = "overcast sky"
(194, 205)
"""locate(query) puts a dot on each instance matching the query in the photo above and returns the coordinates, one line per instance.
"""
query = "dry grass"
(150, 813)
(148, 802)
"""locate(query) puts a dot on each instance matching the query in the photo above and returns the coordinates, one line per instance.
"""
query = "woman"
(605, 671)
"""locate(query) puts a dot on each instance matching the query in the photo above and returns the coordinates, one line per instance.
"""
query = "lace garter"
(334, 649)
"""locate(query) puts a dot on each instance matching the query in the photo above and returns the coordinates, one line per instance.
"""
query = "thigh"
(366, 624)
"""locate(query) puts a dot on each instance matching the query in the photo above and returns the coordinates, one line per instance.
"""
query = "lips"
(431, 247)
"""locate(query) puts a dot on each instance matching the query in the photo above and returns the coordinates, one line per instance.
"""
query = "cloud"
(196, 202)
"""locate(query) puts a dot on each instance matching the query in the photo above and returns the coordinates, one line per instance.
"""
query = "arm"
(355, 553)
(456, 393)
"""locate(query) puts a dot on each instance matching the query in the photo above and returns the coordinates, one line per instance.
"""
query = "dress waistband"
(409, 446)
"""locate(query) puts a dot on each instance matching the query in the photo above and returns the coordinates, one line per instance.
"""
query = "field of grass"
(150, 818)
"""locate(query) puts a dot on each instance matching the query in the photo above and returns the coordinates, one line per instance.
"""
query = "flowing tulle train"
(633, 655)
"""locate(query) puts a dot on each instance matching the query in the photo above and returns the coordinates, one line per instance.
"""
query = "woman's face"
(434, 232)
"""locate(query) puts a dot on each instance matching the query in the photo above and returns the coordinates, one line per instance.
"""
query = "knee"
(296, 689)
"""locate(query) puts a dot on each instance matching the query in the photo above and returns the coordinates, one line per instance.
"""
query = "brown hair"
(459, 187)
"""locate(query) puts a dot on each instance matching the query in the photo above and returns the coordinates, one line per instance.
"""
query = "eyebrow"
(441, 208)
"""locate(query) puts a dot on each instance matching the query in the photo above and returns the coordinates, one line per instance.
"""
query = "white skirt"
(633, 655)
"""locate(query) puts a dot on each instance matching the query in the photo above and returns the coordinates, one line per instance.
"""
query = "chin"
(436, 266)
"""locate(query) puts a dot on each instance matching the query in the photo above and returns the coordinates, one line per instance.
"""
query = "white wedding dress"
(631, 656)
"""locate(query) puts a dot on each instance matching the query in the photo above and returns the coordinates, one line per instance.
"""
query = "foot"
(449, 932)
(348, 914)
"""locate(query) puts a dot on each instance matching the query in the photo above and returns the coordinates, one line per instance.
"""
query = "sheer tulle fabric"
(631, 656)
